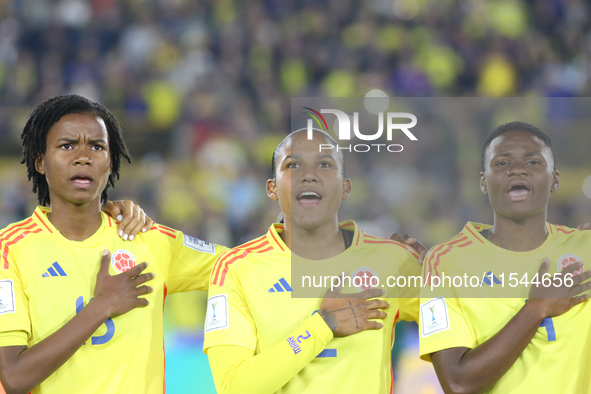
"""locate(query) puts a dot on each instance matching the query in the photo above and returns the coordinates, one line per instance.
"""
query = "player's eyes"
(534, 162)
(324, 164)
(292, 164)
(66, 146)
(98, 147)
(502, 163)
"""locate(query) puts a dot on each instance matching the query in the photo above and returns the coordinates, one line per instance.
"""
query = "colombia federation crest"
(122, 260)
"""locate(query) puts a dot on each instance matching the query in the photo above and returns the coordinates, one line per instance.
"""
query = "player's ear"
(40, 164)
(555, 181)
(272, 190)
(483, 183)
(346, 189)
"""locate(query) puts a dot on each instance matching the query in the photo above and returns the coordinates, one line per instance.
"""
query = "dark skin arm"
(413, 243)
(23, 368)
(464, 370)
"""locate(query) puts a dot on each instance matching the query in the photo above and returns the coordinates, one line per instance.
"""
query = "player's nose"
(517, 169)
(83, 158)
(310, 176)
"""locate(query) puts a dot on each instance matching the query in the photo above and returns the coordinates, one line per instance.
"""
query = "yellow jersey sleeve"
(15, 324)
(442, 325)
(186, 262)
(228, 320)
(409, 295)
(237, 370)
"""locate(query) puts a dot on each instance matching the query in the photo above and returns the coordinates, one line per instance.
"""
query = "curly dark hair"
(49, 112)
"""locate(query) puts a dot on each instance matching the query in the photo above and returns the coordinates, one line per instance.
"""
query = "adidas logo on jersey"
(487, 277)
(280, 286)
(54, 270)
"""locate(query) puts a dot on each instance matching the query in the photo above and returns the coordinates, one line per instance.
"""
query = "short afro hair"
(517, 126)
(49, 112)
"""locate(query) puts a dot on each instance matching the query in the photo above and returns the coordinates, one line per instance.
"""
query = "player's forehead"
(298, 145)
(517, 142)
(79, 125)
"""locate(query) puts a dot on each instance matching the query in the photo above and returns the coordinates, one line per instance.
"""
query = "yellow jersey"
(558, 359)
(46, 279)
(251, 305)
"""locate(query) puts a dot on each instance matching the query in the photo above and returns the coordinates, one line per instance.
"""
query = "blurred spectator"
(209, 83)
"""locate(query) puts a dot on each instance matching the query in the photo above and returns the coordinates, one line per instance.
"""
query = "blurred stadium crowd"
(203, 88)
(203, 91)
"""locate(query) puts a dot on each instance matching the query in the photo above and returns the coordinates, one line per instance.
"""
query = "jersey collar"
(472, 232)
(275, 240)
(40, 217)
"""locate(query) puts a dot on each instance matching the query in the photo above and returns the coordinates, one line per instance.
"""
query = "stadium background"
(203, 91)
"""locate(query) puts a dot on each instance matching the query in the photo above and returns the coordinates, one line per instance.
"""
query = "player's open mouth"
(309, 198)
(83, 181)
(518, 193)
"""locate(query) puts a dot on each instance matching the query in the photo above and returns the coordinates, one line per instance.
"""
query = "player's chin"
(522, 211)
(85, 197)
(309, 221)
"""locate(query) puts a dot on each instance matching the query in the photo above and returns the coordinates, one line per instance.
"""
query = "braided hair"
(49, 112)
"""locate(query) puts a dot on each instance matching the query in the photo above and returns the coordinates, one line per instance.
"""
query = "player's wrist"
(537, 308)
(316, 324)
(100, 307)
(329, 320)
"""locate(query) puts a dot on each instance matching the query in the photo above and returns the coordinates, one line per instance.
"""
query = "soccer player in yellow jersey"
(69, 324)
(494, 339)
(261, 340)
